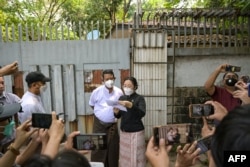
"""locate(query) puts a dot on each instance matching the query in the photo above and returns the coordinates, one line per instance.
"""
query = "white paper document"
(115, 104)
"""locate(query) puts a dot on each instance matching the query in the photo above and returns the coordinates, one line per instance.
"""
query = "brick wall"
(178, 102)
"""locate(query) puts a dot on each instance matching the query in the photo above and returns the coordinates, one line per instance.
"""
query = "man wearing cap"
(31, 100)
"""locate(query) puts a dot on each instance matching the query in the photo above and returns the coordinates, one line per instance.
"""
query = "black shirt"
(131, 119)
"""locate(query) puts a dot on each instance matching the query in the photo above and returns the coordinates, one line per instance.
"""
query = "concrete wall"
(194, 70)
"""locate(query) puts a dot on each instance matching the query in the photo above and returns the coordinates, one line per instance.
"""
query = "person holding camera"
(242, 92)
(223, 94)
(232, 134)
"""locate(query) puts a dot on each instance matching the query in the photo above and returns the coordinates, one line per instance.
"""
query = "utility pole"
(138, 13)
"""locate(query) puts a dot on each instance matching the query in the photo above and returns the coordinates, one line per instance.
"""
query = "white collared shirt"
(98, 99)
(31, 103)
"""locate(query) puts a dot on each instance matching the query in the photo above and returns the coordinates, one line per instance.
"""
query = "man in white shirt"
(104, 119)
(31, 100)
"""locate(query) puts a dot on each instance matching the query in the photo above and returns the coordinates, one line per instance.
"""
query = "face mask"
(231, 81)
(128, 91)
(43, 88)
(109, 83)
(8, 129)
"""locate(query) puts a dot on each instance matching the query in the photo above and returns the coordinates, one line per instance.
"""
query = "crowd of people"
(125, 144)
(231, 103)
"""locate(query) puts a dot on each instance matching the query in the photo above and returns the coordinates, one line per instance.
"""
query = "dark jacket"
(131, 119)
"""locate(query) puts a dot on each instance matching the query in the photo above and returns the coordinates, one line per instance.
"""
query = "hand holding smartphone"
(204, 144)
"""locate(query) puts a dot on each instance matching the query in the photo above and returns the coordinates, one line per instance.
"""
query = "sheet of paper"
(115, 104)
(112, 102)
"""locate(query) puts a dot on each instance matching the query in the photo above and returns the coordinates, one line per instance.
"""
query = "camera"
(94, 141)
(173, 133)
(200, 110)
(231, 68)
(204, 144)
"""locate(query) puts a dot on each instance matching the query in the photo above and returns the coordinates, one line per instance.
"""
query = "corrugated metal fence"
(71, 65)
(75, 65)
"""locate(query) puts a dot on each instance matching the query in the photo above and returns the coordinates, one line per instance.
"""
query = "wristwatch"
(13, 150)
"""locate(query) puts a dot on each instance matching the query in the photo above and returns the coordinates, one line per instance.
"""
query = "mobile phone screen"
(156, 136)
(199, 110)
(172, 133)
(41, 120)
(204, 144)
(95, 141)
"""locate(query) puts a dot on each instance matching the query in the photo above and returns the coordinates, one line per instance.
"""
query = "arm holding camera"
(207, 131)
(158, 156)
(30, 149)
(56, 132)
(23, 132)
(69, 143)
(242, 92)
(9, 69)
(209, 84)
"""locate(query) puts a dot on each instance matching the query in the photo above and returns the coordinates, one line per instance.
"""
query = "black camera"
(231, 68)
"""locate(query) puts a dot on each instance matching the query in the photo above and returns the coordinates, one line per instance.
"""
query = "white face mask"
(128, 91)
(43, 88)
(109, 83)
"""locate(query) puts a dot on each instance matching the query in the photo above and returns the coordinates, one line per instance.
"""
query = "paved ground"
(202, 162)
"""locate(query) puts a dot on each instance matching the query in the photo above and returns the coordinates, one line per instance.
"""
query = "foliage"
(243, 5)
(81, 16)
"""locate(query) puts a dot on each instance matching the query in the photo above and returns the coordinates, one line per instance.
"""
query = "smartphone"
(156, 136)
(248, 87)
(172, 133)
(231, 68)
(41, 120)
(200, 110)
(94, 141)
(204, 144)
